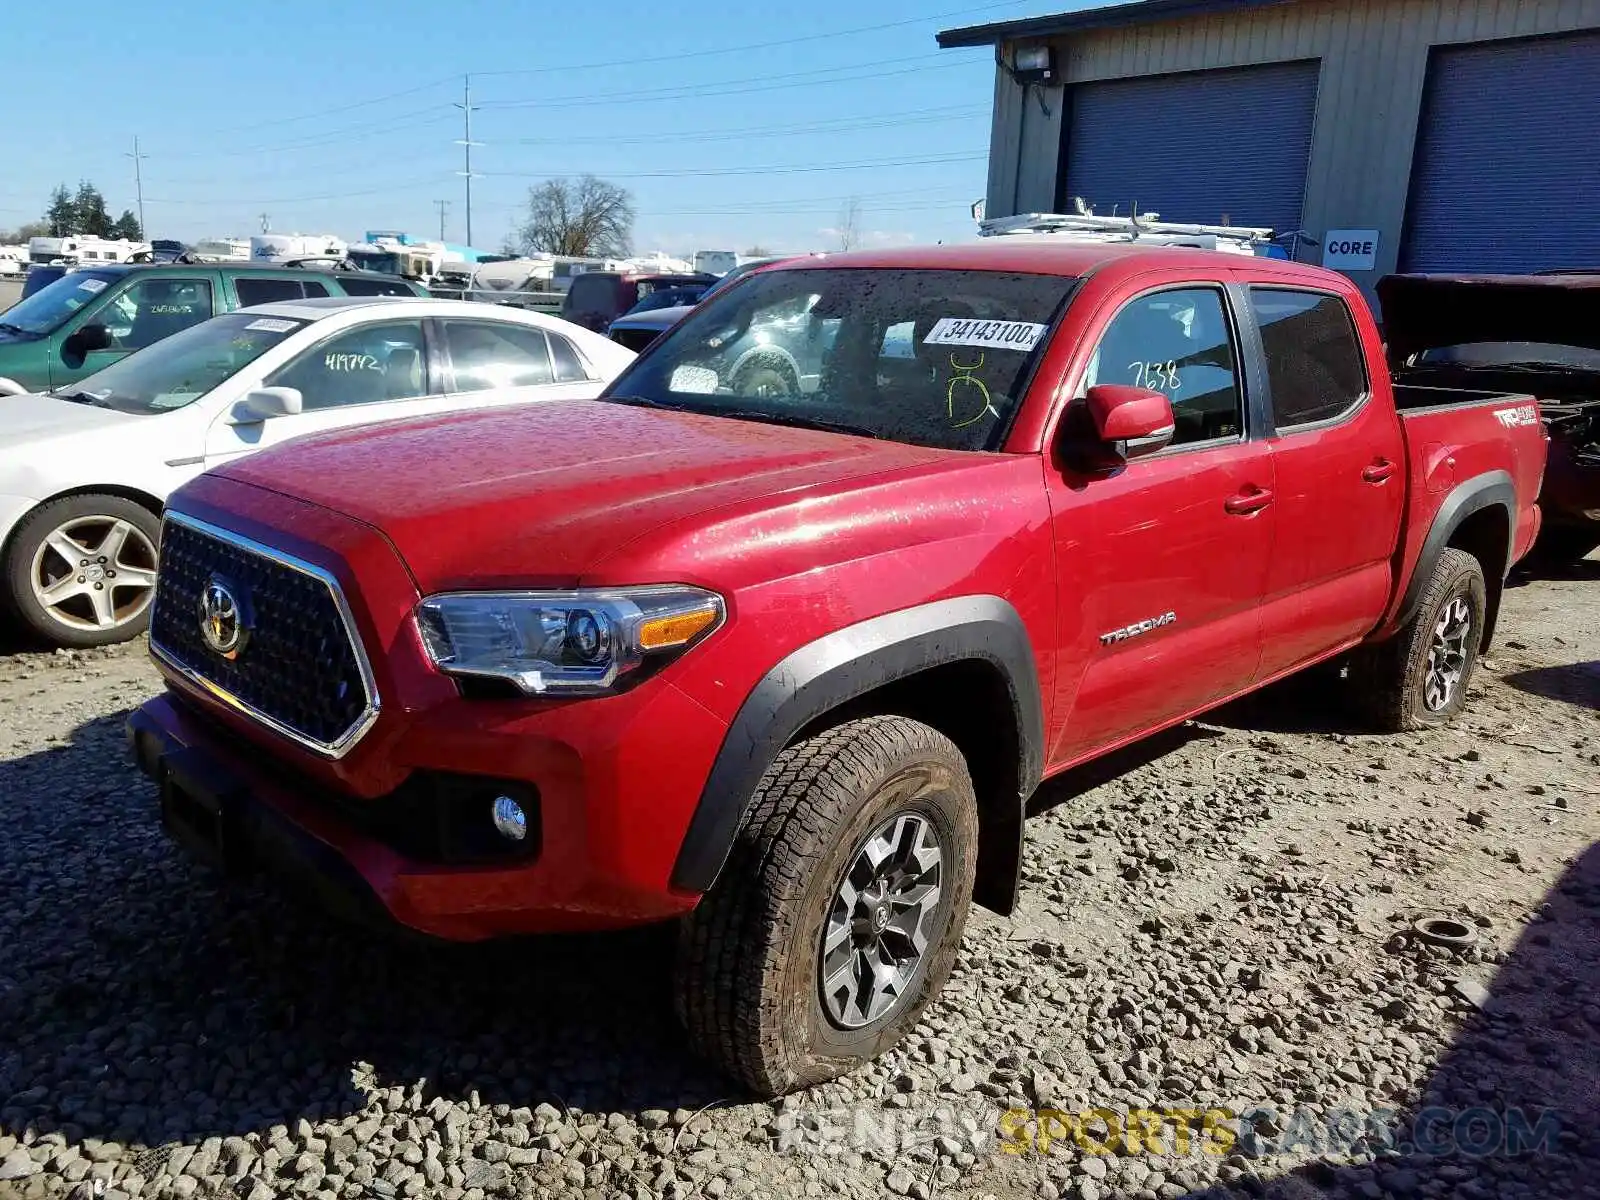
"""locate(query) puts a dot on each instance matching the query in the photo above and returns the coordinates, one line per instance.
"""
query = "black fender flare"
(840, 667)
(1491, 489)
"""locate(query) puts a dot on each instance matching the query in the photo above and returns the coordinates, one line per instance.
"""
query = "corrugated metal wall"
(1208, 146)
(1496, 143)
(1374, 56)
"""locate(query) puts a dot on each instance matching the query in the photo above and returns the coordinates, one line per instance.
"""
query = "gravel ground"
(1221, 920)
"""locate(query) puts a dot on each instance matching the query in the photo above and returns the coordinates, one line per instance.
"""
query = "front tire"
(81, 571)
(1418, 679)
(837, 916)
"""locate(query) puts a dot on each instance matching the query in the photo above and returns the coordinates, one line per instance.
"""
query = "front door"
(1162, 563)
(1340, 464)
(139, 313)
(373, 372)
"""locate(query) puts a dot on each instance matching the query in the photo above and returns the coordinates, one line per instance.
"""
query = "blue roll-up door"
(1506, 171)
(1199, 146)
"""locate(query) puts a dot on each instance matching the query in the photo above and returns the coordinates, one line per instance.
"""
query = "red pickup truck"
(788, 665)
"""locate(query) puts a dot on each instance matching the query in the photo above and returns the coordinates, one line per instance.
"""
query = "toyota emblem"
(222, 619)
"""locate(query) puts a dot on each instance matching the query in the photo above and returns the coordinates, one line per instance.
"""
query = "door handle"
(1378, 471)
(1244, 503)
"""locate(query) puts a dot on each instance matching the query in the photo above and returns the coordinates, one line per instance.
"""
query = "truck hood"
(1429, 312)
(537, 495)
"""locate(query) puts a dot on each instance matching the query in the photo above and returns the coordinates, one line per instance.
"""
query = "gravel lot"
(1220, 920)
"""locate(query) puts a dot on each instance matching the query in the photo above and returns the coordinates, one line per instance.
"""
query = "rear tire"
(1418, 679)
(798, 901)
(80, 571)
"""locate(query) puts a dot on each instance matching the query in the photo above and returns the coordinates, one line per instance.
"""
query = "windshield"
(178, 370)
(933, 358)
(1501, 354)
(376, 260)
(49, 308)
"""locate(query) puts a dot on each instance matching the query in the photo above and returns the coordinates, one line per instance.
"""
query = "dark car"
(1533, 333)
(597, 298)
(640, 326)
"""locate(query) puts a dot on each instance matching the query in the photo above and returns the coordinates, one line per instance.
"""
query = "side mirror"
(1131, 421)
(81, 342)
(263, 404)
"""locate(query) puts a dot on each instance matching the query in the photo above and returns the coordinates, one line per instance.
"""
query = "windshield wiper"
(8, 327)
(799, 422)
(643, 402)
(83, 398)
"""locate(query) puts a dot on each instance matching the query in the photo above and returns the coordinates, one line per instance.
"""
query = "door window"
(1315, 368)
(254, 290)
(1177, 342)
(151, 309)
(569, 366)
(494, 355)
(360, 366)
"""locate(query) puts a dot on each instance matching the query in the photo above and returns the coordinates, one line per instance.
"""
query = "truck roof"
(1049, 254)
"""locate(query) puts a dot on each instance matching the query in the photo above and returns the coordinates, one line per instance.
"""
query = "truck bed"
(1412, 396)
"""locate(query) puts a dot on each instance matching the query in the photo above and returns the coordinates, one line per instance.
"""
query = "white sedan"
(84, 472)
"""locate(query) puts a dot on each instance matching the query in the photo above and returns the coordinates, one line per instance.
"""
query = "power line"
(842, 125)
(322, 113)
(871, 164)
(763, 83)
(329, 137)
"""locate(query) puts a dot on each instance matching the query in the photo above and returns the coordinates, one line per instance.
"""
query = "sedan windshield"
(178, 370)
(49, 308)
(930, 357)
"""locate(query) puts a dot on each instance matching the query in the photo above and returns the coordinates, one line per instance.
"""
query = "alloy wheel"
(94, 572)
(881, 921)
(1447, 655)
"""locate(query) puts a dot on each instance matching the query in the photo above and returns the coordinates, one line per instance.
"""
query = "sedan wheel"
(81, 571)
(95, 573)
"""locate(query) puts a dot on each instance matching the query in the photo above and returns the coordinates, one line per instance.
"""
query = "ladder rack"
(1237, 239)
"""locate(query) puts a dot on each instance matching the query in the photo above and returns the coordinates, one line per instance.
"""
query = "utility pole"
(466, 142)
(266, 223)
(138, 186)
(443, 204)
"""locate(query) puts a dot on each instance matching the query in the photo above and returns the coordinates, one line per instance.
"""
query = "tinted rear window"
(1315, 368)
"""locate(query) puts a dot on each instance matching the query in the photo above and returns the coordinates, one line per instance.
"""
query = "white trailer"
(288, 247)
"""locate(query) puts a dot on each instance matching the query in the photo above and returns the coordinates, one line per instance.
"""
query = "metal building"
(1395, 134)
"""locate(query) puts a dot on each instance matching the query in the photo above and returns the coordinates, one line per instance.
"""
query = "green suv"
(91, 317)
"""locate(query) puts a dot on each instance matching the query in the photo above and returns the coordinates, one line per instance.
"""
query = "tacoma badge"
(1138, 627)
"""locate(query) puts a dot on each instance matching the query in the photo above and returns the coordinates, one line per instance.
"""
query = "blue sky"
(337, 116)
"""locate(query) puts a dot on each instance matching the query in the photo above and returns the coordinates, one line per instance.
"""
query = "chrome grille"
(302, 670)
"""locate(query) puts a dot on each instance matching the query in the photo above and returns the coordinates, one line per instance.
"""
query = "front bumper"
(227, 804)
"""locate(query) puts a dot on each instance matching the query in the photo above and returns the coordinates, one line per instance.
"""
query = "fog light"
(509, 818)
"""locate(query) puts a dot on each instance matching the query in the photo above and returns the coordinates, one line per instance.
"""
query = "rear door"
(1339, 457)
(503, 362)
(1162, 563)
(261, 288)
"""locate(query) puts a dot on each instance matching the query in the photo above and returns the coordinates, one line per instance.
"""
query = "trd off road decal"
(1523, 414)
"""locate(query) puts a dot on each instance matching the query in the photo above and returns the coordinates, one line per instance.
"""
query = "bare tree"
(848, 231)
(584, 218)
(758, 251)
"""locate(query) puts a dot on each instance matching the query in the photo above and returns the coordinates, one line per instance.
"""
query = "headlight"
(564, 643)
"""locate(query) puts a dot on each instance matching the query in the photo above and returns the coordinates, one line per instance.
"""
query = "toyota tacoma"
(787, 667)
